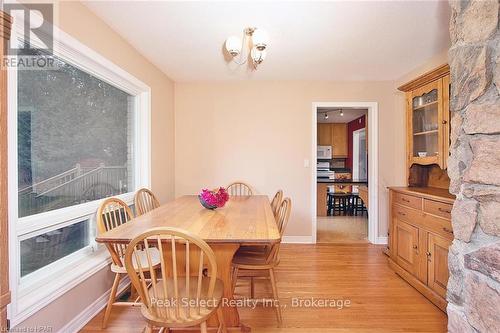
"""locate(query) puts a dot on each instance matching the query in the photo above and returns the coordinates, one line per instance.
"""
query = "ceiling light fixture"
(341, 113)
(257, 53)
(326, 115)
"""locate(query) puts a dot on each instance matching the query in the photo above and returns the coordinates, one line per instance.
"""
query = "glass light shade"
(233, 45)
(257, 55)
(260, 39)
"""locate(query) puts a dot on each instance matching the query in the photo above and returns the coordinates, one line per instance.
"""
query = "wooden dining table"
(244, 220)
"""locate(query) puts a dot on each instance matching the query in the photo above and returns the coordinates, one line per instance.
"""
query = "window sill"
(31, 298)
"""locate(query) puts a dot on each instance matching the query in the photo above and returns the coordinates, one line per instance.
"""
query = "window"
(74, 146)
(78, 133)
(46, 248)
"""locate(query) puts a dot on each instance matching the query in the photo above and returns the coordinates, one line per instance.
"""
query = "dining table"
(244, 220)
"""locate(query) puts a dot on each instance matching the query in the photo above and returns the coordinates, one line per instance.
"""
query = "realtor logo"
(37, 19)
(31, 43)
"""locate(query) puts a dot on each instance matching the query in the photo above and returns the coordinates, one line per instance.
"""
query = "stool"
(358, 206)
(338, 203)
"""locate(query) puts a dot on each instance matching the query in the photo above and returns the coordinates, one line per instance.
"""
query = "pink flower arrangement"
(213, 199)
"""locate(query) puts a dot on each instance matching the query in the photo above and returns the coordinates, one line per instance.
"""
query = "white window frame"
(36, 290)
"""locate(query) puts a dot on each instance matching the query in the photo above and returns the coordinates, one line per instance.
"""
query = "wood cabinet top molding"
(426, 192)
(5, 25)
(423, 79)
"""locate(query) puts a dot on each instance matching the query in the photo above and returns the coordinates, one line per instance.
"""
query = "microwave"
(324, 153)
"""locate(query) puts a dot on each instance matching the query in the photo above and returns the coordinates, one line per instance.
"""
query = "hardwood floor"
(380, 300)
(342, 229)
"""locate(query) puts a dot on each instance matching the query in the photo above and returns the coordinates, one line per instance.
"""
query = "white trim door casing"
(373, 221)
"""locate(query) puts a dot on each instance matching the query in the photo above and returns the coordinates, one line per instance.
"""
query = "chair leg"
(222, 323)
(275, 296)
(203, 327)
(252, 288)
(148, 329)
(235, 278)
(132, 291)
(111, 300)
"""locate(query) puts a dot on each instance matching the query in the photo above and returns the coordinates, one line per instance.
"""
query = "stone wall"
(474, 167)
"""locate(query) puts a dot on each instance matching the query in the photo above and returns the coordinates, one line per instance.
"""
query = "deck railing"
(74, 186)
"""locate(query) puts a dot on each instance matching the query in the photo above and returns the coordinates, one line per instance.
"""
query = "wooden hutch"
(420, 231)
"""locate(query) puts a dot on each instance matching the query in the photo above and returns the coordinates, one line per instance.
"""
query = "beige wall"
(78, 21)
(261, 132)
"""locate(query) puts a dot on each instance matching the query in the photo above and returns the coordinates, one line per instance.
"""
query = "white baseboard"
(381, 240)
(297, 240)
(309, 240)
(92, 310)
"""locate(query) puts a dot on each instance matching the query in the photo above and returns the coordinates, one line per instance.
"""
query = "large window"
(74, 146)
(78, 133)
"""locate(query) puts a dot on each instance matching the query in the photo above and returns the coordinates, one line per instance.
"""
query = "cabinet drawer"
(410, 215)
(438, 208)
(408, 200)
(438, 225)
(419, 218)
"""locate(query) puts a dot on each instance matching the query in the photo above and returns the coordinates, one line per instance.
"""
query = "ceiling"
(341, 40)
(335, 117)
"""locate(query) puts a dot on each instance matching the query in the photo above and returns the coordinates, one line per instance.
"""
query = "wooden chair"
(145, 201)
(177, 296)
(250, 264)
(239, 189)
(112, 213)
(275, 203)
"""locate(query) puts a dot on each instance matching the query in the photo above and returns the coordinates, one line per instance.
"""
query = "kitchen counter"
(343, 181)
(341, 170)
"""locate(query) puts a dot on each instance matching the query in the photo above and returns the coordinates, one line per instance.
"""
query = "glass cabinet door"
(425, 121)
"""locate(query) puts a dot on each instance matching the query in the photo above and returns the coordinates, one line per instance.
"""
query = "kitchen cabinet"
(406, 254)
(321, 199)
(420, 234)
(438, 263)
(339, 139)
(335, 135)
(428, 118)
(363, 194)
(324, 134)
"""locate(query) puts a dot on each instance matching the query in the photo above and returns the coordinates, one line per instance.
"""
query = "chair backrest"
(172, 281)
(275, 203)
(282, 218)
(112, 213)
(283, 215)
(239, 189)
(145, 201)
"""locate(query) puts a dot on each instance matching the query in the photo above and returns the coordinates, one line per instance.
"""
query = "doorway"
(344, 190)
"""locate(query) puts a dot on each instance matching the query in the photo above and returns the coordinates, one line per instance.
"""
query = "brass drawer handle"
(428, 253)
(447, 230)
(401, 213)
(415, 246)
(405, 200)
(444, 210)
